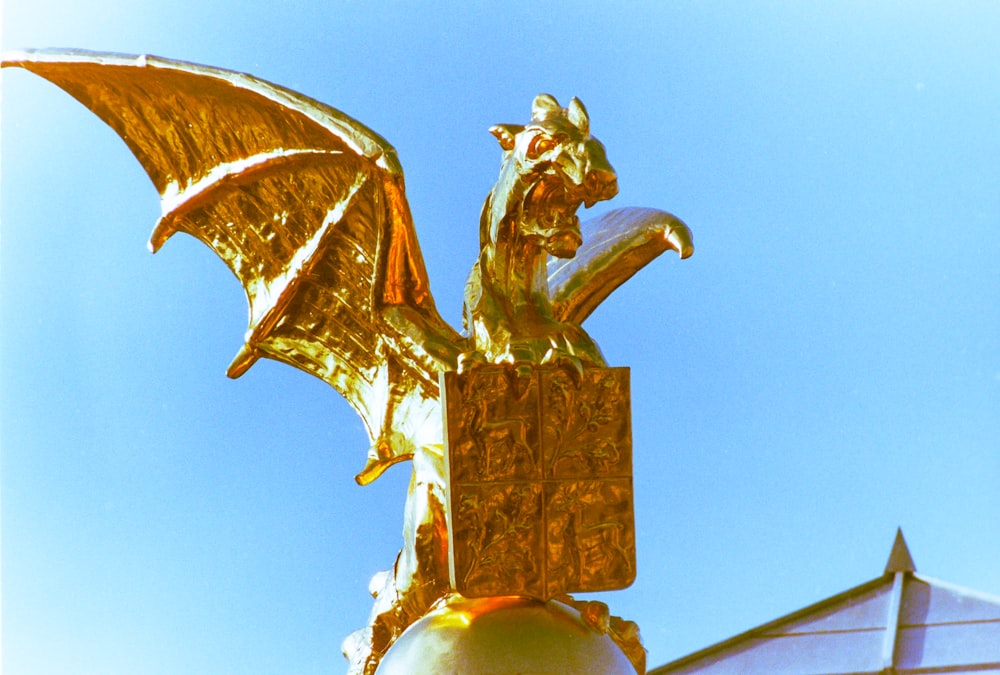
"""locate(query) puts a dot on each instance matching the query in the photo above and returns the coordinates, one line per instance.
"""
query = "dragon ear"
(578, 115)
(506, 134)
(543, 106)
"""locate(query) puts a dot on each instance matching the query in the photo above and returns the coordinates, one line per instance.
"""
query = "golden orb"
(503, 636)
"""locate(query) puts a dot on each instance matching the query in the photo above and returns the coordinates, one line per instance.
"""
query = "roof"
(899, 623)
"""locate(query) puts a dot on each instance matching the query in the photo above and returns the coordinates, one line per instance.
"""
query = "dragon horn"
(578, 115)
(544, 106)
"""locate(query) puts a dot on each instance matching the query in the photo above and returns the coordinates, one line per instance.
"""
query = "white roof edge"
(955, 588)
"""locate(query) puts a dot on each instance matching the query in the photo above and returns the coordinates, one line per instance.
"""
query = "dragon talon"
(469, 360)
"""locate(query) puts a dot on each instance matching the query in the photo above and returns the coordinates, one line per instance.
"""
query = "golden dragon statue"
(307, 208)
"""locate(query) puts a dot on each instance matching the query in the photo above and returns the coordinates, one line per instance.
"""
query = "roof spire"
(899, 557)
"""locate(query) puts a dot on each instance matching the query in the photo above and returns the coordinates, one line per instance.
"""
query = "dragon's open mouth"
(550, 215)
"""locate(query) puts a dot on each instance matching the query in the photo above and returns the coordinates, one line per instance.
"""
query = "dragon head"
(550, 167)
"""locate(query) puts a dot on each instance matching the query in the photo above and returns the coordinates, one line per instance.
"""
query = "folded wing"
(615, 247)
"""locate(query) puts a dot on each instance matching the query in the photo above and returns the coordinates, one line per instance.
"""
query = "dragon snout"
(599, 185)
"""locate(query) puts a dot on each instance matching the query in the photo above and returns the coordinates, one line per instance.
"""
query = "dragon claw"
(570, 363)
(596, 615)
(469, 360)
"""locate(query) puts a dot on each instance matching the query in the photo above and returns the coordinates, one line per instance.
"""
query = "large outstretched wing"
(304, 204)
(615, 247)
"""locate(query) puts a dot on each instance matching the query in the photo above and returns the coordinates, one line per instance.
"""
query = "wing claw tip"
(246, 357)
(164, 230)
(678, 237)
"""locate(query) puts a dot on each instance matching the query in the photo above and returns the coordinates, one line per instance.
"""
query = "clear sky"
(824, 369)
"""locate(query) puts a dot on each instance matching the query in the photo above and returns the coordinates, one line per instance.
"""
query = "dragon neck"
(515, 264)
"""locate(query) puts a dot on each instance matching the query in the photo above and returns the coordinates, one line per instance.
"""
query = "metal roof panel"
(941, 628)
(928, 601)
(948, 646)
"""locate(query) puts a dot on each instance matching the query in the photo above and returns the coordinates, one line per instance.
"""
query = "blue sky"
(824, 369)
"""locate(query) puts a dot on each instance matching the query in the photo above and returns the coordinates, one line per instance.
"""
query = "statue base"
(503, 636)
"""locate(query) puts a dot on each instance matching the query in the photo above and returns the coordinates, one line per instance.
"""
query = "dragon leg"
(420, 576)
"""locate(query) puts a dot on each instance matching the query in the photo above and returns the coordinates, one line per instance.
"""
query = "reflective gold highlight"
(539, 481)
(307, 208)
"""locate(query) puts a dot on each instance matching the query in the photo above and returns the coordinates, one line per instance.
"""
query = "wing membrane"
(304, 204)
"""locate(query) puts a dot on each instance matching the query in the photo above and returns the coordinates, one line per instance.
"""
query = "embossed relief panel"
(539, 481)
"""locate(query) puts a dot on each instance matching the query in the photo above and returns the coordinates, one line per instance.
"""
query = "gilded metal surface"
(475, 636)
(307, 207)
(550, 168)
(539, 481)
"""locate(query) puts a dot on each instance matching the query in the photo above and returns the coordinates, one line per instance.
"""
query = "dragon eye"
(539, 145)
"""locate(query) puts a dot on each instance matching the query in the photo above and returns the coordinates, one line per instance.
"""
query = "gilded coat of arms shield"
(539, 476)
